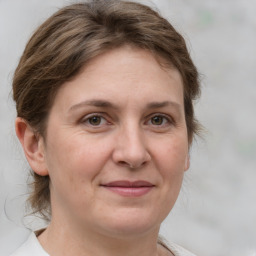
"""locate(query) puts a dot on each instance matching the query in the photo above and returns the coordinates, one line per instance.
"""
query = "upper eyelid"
(99, 114)
(107, 117)
(168, 117)
(85, 119)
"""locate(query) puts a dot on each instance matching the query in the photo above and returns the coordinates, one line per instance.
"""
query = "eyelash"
(86, 120)
(166, 120)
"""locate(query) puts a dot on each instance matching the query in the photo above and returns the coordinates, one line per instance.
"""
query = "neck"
(58, 240)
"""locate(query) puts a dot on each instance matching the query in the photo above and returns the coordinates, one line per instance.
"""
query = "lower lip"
(130, 191)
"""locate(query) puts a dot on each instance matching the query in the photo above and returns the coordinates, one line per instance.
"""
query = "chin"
(131, 224)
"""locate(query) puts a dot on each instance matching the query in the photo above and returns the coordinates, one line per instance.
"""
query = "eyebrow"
(95, 103)
(107, 104)
(164, 104)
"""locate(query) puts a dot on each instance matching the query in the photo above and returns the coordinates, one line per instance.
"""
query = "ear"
(33, 146)
(187, 162)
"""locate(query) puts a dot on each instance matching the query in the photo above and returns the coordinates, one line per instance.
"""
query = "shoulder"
(178, 250)
(30, 247)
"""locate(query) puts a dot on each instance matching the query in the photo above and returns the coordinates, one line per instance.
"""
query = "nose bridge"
(132, 137)
(131, 148)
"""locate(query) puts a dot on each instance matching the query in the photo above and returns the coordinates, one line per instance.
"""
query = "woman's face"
(116, 146)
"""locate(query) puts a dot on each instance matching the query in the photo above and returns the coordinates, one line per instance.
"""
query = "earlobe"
(187, 163)
(33, 146)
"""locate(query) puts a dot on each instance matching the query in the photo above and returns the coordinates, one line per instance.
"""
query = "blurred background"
(215, 214)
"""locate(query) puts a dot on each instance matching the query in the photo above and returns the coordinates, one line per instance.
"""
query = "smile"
(128, 188)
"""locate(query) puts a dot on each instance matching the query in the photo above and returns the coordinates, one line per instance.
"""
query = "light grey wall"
(216, 212)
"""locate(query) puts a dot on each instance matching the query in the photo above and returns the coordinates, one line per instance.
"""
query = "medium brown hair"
(69, 39)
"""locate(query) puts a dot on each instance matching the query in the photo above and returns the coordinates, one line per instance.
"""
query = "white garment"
(178, 250)
(32, 247)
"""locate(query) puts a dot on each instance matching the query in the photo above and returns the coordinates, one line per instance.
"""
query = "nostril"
(126, 164)
(130, 157)
(130, 165)
(123, 163)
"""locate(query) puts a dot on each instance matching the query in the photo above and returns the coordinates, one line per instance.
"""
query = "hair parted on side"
(69, 39)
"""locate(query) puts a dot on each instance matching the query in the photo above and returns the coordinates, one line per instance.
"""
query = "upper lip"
(128, 184)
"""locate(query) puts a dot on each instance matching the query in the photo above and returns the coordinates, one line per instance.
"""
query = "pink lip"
(129, 188)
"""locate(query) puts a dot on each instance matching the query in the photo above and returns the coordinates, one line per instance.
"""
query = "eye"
(157, 120)
(95, 120)
(160, 120)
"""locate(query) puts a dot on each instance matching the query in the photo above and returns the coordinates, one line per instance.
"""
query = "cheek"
(173, 156)
(76, 158)
(74, 165)
(171, 165)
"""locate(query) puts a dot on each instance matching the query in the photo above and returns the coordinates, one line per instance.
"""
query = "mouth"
(129, 188)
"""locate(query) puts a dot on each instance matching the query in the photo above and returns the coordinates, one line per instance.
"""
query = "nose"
(130, 149)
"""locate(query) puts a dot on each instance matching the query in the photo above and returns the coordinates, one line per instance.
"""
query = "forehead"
(124, 74)
(125, 55)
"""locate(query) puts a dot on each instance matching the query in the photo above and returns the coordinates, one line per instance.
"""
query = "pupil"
(95, 120)
(157, 120)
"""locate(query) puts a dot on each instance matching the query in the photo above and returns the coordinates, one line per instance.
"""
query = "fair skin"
(116, 149)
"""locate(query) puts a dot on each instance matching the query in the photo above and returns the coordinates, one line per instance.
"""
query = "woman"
(104, 94)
